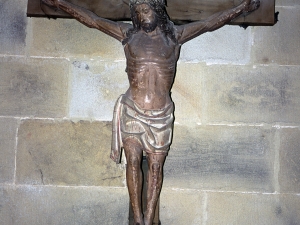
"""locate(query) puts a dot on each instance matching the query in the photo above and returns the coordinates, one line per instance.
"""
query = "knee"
(134, 161)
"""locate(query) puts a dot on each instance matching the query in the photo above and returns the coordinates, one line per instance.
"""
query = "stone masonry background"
(235, 157)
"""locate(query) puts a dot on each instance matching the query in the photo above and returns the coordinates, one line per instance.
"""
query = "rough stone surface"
(289, 175)
(66, 153)
(13, 23)
(187, 93)
(29, 205)
(266, 94)
(287, 3)
(7, 149)
(249, 209)
(33, 87)
(181, 207)
(280, 43)
(65, 38)
(221, 158)
(95, 87)
(228, 45)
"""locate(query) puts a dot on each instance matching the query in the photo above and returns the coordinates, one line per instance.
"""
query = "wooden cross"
(179, 11)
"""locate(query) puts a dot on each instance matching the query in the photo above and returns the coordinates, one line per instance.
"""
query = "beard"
(149, 27)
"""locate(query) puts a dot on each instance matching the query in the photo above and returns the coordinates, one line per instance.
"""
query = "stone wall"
(235, 155)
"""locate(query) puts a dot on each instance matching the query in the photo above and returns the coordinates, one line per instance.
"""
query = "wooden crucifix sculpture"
(143, 116)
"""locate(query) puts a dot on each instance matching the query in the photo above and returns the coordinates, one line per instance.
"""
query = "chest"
(152, 48)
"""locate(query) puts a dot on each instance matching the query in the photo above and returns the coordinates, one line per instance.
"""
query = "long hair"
(163, 21)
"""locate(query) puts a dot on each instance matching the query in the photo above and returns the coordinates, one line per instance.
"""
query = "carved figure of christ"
(151, 45)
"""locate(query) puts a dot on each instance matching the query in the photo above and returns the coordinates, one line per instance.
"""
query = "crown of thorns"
(136, 2)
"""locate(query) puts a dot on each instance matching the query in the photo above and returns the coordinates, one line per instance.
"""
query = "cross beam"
(178, 10)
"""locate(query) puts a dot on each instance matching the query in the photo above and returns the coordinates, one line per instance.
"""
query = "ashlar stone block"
(228, 45)
(279, 44)
(69, 38)
(13, 24)
(221, 158)
(266, 94)
(187, 93)
(95, 87)
(289, 174)
(294, 3)
(66, 153)
(36, 205)
(7, 149)
(33, 87)
(181, 207)
(249, 209)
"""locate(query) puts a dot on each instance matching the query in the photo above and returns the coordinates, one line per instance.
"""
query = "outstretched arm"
(88, 18)
(216, 21)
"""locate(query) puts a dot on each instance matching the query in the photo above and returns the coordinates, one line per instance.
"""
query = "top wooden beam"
(179, 11)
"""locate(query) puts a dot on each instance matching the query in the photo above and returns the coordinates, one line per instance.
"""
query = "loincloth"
(152, 128)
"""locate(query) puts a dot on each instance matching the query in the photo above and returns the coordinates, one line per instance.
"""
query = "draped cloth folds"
(152, 128)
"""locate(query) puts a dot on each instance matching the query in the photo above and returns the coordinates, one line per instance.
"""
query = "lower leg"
(134, 184)
(134, 179)
(155, 177)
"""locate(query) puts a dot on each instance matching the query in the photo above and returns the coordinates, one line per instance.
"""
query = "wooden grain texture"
(178, 10)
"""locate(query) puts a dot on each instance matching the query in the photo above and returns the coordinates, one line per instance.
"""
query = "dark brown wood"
(178, 10)
(156, 220)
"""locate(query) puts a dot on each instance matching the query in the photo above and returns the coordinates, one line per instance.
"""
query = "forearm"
(214, 22)
(88, 18)
(220, 19)
(82, 15)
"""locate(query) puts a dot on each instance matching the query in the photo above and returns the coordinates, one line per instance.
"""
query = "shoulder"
(124, 27)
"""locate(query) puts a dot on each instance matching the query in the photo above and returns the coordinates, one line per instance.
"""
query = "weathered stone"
(181, 207)
(67, 38)
(280, 43)
(252, 95)
(289, 174)
(249, 209)
(95, 87)
(13, 23)
(221, 158)
(66, 153)
(286, 3)
(33, 87)
(7, 205)
(7, 149)
(29, 205)
(187, 93)
(228, 45)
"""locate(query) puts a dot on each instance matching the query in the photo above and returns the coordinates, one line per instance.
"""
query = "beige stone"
(221, 158)
(69, 38)
(13, 24)
(7, 149)
(249, 209)
(66, 153)
(95, 87)
(29, 205)
(227, 45)
(293, 3)
(33, 87)
(289, 173)
(279, 44)
(187, 93)
(266, 94)
(181, 207)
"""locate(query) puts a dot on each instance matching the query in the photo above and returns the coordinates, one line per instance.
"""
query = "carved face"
(146, 17)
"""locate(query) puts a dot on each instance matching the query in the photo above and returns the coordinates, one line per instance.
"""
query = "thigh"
(133, 150)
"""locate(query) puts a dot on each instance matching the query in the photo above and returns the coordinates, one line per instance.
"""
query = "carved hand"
(251, 5)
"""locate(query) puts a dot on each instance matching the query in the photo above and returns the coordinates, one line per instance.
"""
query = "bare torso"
(151, 63)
